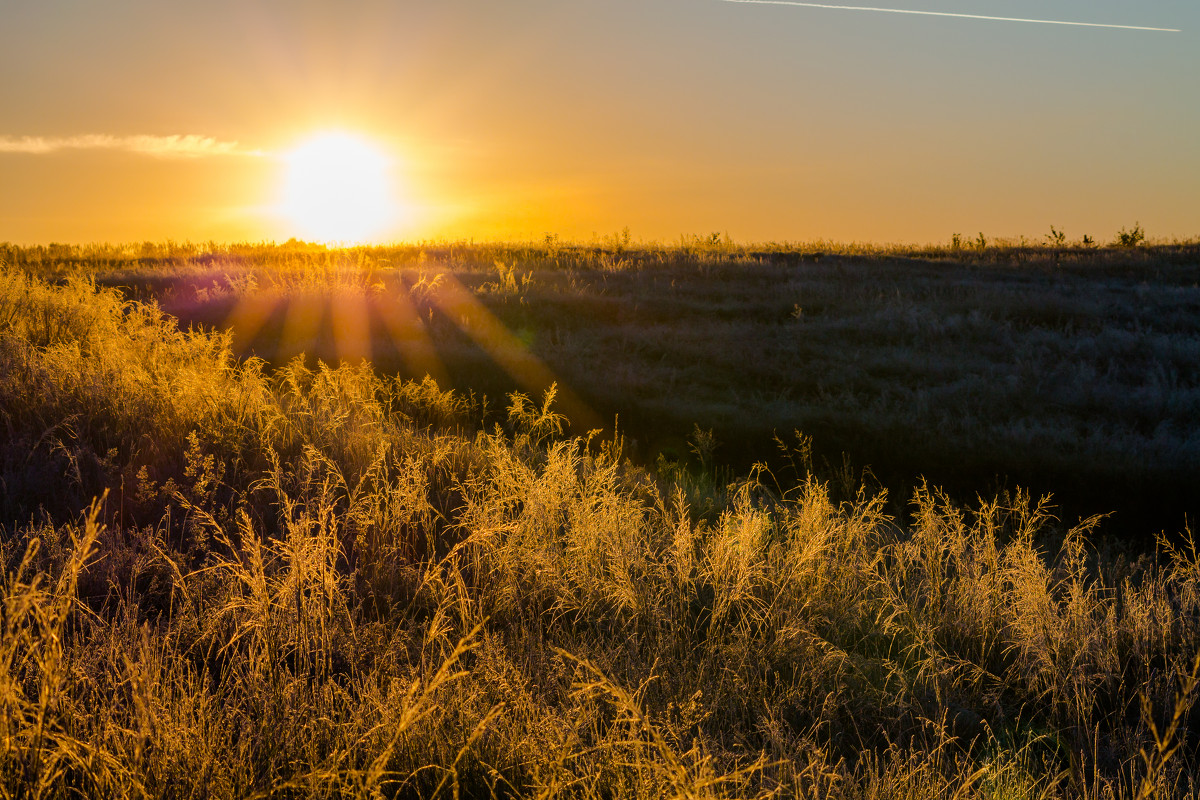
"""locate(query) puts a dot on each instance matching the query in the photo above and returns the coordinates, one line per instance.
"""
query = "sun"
(338, 188)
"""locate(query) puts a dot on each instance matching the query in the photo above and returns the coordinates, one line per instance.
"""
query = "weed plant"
(224, 580)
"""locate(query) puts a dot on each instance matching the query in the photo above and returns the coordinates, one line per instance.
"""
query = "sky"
(130, 120)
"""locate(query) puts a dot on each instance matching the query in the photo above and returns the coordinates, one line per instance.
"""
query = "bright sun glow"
(338, 189)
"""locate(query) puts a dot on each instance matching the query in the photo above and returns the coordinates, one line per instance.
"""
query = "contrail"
(951, 14)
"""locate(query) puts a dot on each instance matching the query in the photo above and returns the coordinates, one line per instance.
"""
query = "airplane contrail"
(952, 14)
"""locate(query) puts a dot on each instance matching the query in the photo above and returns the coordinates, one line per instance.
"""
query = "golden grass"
(1066, 368)
(220, 581)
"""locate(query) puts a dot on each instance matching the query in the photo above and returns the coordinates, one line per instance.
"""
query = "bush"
(1130, 238)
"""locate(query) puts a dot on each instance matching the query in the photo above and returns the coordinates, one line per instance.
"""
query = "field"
(805, 551)
(1069, 370)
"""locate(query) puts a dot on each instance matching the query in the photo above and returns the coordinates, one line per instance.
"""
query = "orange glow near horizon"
(400, 122)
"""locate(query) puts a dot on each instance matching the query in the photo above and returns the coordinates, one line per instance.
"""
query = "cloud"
(177, 146)
(951, 14)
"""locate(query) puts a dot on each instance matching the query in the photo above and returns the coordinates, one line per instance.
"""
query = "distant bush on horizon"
(715, 243)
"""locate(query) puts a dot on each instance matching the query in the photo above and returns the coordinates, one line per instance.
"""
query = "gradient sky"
(516, 119)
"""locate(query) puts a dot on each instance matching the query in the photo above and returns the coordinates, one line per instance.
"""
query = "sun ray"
(301, 326)
(249, 316)
(410, 337)
(509, 352)
(351, 322)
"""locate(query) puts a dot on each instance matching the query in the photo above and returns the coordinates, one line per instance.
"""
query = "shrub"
(1131, 238)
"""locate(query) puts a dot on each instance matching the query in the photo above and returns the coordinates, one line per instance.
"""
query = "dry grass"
(1066, 368)
(320, 582)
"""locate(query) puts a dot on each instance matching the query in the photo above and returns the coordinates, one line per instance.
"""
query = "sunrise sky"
(124, 121)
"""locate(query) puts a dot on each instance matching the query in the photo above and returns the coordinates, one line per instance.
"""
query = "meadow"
(250, 549)
(1065, 369)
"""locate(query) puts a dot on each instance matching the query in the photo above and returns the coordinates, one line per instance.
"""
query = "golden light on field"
(338, 188)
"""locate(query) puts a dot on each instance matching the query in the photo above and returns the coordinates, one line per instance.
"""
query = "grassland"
(229, 576)
(1062, 369)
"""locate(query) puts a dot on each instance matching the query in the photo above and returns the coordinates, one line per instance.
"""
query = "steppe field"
(604, 520)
